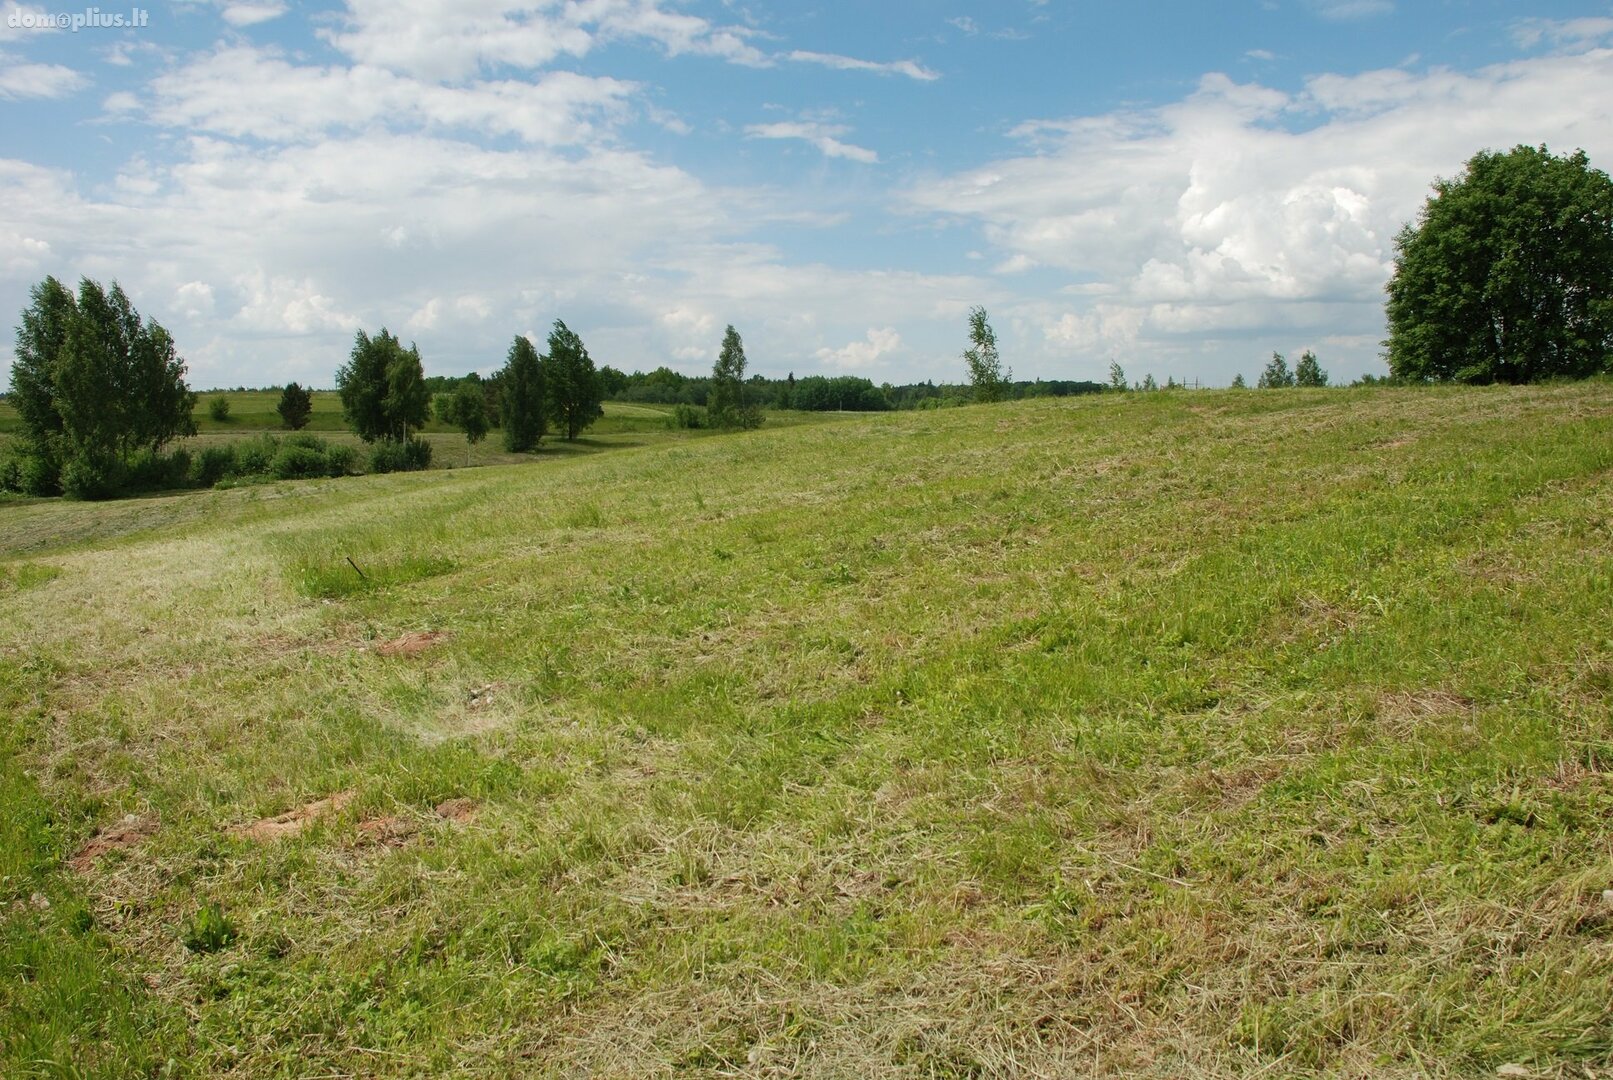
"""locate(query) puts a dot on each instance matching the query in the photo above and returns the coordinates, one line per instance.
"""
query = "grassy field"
(1188, 734)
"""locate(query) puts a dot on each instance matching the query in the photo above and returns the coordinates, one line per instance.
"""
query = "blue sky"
(1182, 188)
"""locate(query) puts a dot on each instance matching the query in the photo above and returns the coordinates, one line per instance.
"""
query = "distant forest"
(812, 393)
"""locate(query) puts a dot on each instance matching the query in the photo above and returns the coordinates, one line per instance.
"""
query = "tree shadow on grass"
(585, 445)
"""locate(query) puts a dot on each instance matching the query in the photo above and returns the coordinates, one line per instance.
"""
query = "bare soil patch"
(387, 831)
(396, 830)
(127, 833)
(294, 821)
(410, 644)
(457, 809)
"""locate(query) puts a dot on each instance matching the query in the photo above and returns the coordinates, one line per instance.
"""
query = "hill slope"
(1206, 733)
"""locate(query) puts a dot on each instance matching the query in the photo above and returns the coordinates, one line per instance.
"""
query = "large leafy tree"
(522, 381)
(383, 388)
(120, 385)
(986, 373)
(1507, 275)
(725, 401)
(571, 385)
(93, 383)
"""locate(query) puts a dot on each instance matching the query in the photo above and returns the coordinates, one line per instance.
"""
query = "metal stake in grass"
(356, 570)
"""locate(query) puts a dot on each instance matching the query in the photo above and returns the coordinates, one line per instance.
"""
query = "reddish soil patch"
(397, 831)
(409, 644)
(391, 831)
(295, 821)
(457, 809)
(128, 832)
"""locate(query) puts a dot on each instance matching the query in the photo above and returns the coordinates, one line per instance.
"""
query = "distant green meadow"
(1210, 733)
(252, 413)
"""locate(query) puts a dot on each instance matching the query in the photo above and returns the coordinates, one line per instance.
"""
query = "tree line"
(100, 391)
(823, 393)
(386, 396)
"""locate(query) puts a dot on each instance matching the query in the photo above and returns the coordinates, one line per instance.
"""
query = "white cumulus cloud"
(823, 136)
(250, 14)
(245, 91)
(19, 79)
(912, 69)
(857, 355)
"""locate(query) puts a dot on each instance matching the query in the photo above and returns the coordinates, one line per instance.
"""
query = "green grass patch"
(332, 577)
(15, 577)
(68, 1008)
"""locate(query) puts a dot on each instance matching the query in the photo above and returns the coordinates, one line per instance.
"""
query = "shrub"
(298, 463)
(339, 460)
(30, 468)
(684, 416)
(147, 470)
(213, 464)
(90, 475)
(256, 457)
(417, 454)
(11, 473)
(386, 456)
(390, 455)
(219, 409)
(41, 474)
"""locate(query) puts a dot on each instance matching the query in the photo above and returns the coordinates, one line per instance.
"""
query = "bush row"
(39, 471)
(298, 457)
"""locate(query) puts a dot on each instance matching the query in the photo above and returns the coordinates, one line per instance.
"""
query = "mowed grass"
(1178, 734)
